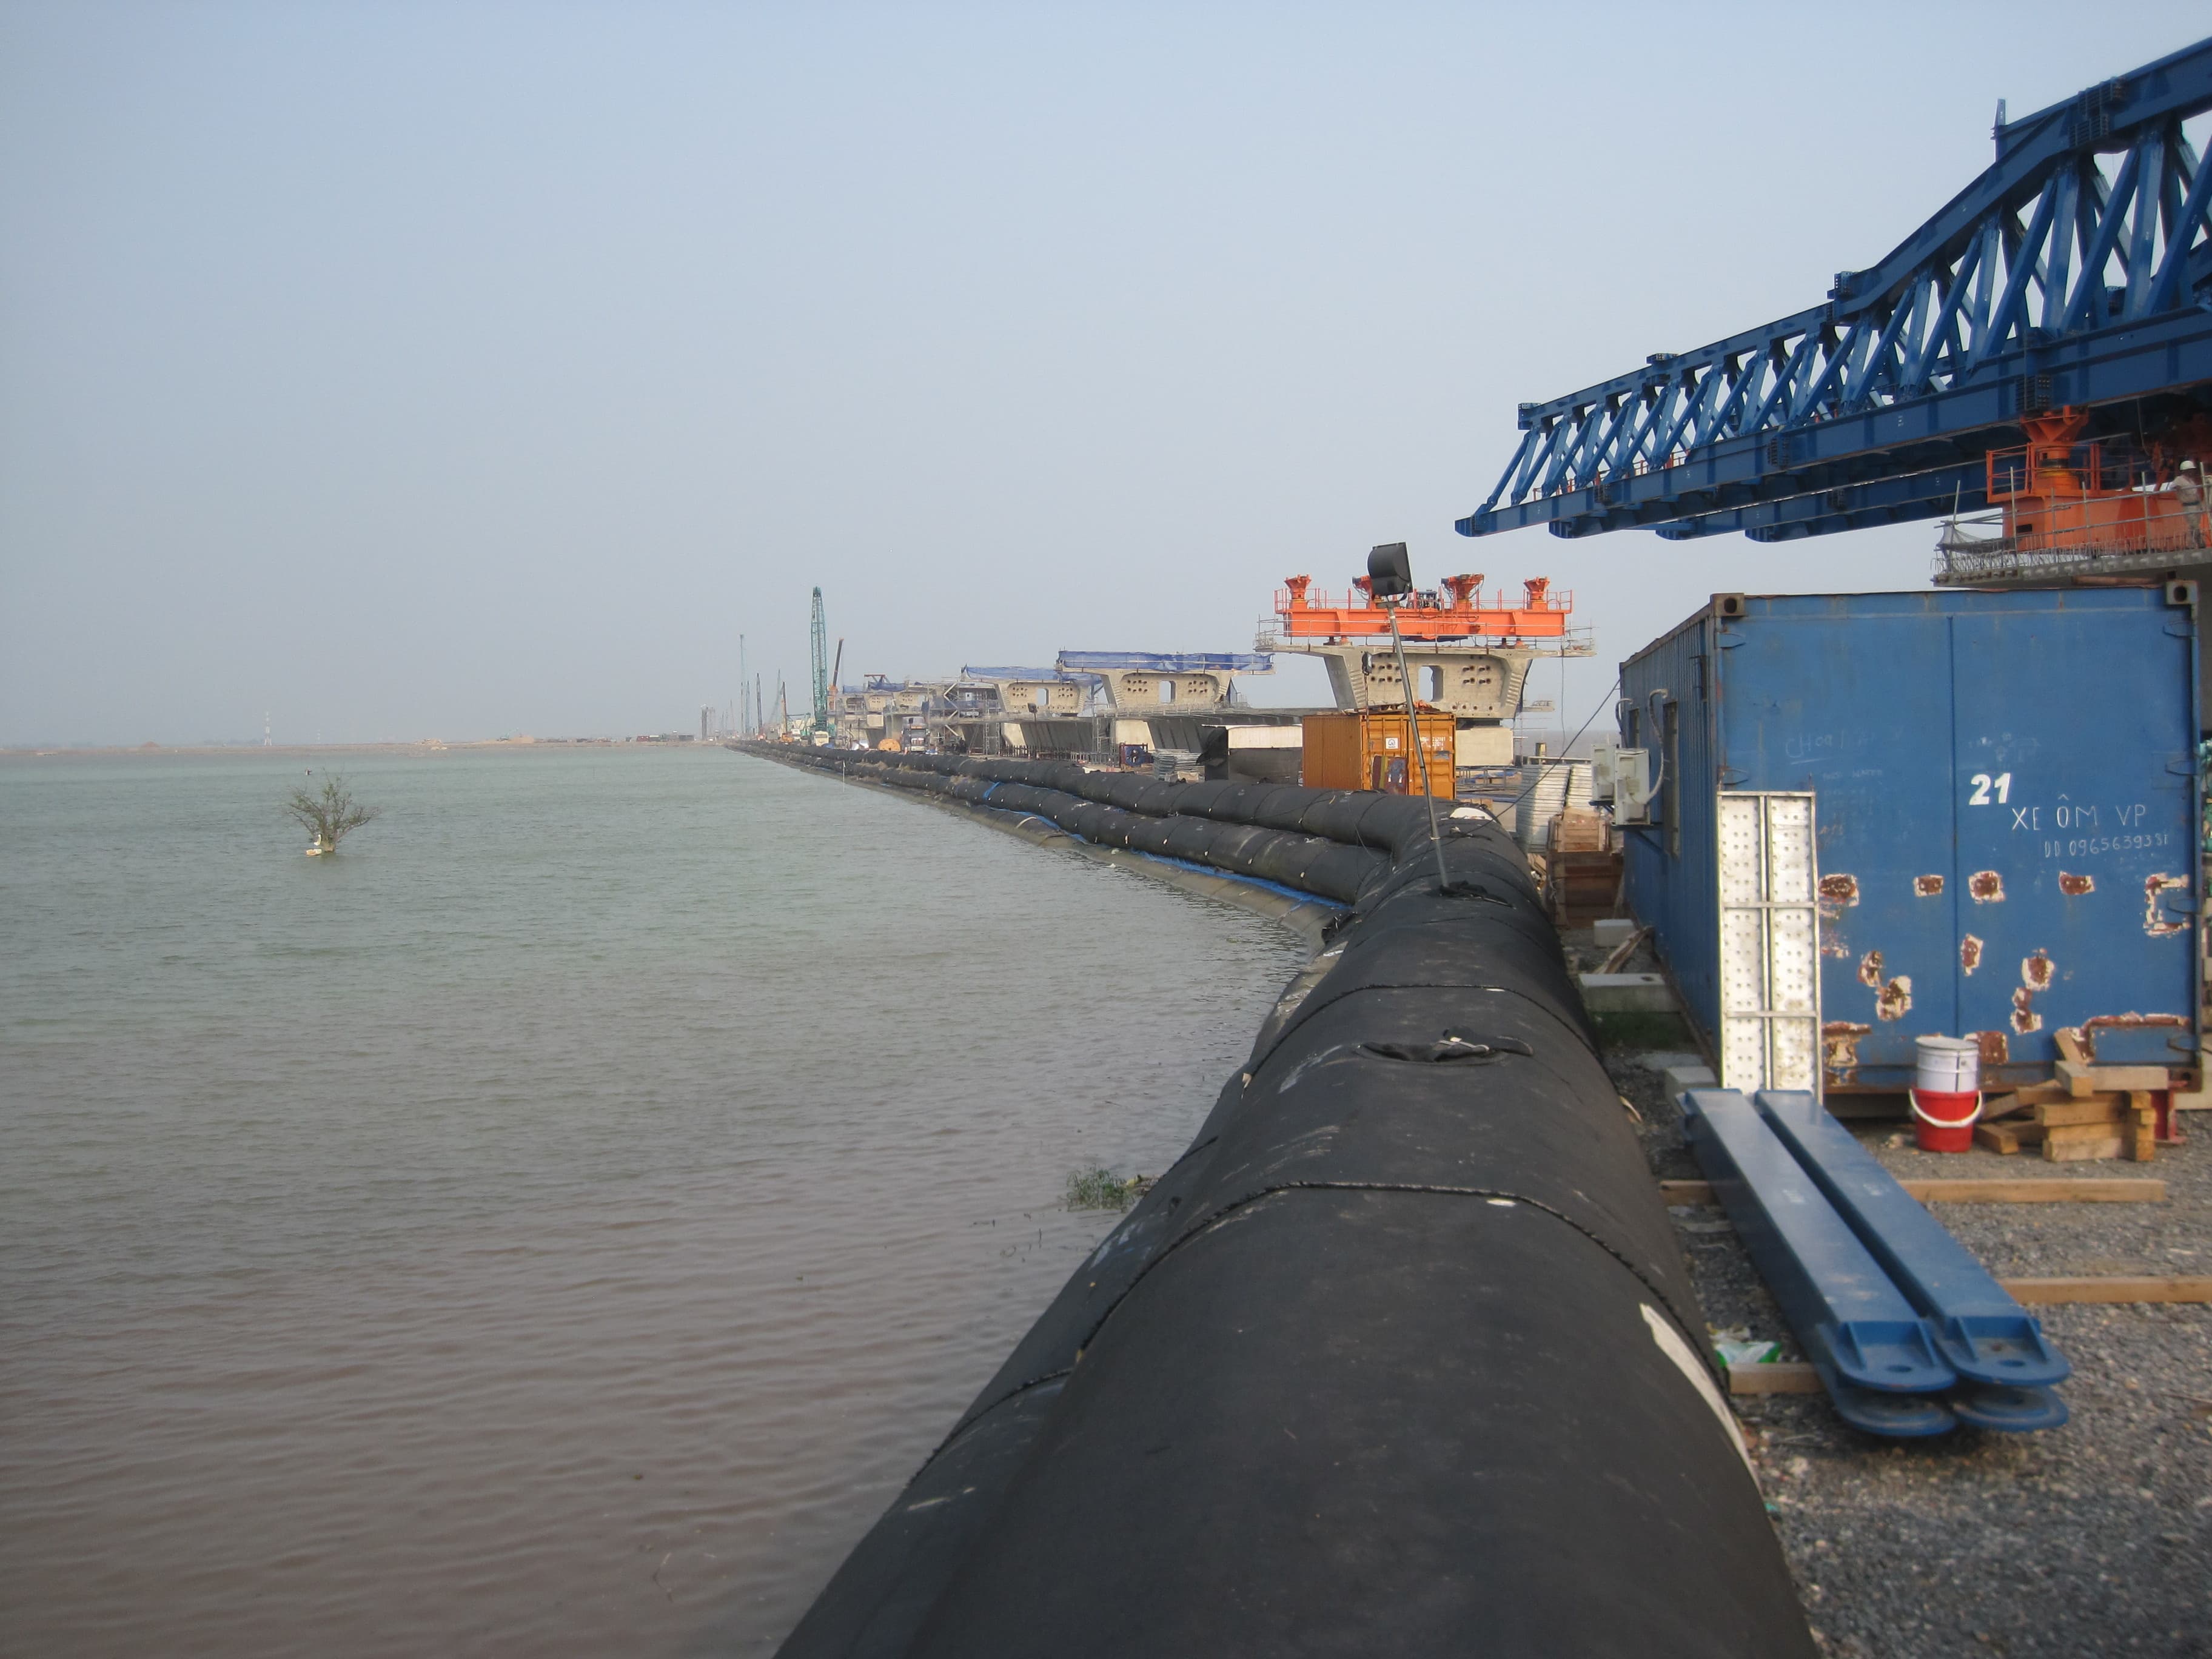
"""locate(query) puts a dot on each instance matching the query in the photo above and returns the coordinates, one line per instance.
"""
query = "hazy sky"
(462, 369)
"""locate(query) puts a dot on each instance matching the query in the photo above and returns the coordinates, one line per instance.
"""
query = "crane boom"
(820, 634)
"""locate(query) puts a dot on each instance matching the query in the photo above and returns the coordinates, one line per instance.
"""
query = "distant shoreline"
(427, 746)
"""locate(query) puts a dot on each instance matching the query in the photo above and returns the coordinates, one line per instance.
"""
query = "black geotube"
(1401, 1358)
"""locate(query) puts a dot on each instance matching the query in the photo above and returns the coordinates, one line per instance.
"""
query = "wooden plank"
(2097, 1109)
(1779, 1376)
(2142, 1127)
(2103, 1145)
(2041, 1189)
(1619, 956)
(1994, 1189)
(2004, 1139)
(2033, 1094)
(2155, 1079)
(2081, 1080)
(2070, 1045)
(2048, 1292)
(2069, 1134)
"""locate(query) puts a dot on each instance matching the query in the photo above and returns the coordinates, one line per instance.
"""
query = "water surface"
(558, 1223)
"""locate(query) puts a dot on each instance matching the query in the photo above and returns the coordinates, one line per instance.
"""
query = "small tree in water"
(331, 816)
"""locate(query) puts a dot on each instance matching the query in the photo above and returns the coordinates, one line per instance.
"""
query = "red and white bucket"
(1946, 1093)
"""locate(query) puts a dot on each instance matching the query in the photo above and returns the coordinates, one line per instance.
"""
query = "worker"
(2189, 493)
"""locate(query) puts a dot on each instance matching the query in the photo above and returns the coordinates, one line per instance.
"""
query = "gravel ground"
(2095, 1538)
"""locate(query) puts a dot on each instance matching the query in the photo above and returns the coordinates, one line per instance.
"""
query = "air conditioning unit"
(1623, 777)
(1601, 765)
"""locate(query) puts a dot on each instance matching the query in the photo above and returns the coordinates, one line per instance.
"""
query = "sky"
(461, 369)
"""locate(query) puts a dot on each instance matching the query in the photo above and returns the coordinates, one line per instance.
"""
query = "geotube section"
(1401, 1356)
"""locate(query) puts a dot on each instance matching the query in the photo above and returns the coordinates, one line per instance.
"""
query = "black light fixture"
(1390, 576)
(1389, 571)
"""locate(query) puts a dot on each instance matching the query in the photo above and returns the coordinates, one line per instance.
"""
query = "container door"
(2074, 801)
(1817, 699)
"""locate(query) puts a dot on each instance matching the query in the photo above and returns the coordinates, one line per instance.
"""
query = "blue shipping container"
(2006, 794)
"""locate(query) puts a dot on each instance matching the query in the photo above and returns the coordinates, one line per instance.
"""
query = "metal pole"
(1414, 732)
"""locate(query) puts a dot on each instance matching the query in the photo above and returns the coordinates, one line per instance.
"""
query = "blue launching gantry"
(2076, 273)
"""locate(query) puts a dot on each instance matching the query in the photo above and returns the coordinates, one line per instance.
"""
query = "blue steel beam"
(1844, 507)
(2075, 270)
(1873, 1353)
(1985, 1335)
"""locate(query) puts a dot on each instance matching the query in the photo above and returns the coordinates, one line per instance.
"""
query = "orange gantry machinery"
(1454, 613)
(2061, 494)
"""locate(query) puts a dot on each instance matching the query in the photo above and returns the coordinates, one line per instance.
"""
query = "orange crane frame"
(1308, 614)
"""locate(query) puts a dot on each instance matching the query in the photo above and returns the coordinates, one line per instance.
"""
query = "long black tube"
(1401, 1357)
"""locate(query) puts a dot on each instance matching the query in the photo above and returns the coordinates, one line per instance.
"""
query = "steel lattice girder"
(2076, 269)
(1168, 662)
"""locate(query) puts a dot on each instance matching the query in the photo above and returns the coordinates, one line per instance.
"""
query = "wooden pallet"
(2079, 1072)
(2070, 1127)
(1577, 832)
(1580, 888)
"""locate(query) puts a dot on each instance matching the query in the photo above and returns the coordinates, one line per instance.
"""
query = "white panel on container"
(1770, 979)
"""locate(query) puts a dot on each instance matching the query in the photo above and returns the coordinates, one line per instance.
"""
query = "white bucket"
(1947, 1066)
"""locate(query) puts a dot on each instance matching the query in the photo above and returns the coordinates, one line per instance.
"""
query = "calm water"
(559, 1224)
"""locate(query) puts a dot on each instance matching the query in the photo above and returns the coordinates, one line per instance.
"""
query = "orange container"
(1367, 748)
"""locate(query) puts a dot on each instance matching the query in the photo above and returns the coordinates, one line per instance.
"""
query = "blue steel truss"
(1175, 662)
(2076, 270)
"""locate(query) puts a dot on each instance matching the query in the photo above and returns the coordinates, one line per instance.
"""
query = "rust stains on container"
(2158, 925)
(1996, 1051)
(1896, 999)
(1836, 894)
(1839, 1047)
(2024, 777)
(1892, 997)
(2098, 1022)
(2036, 974)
